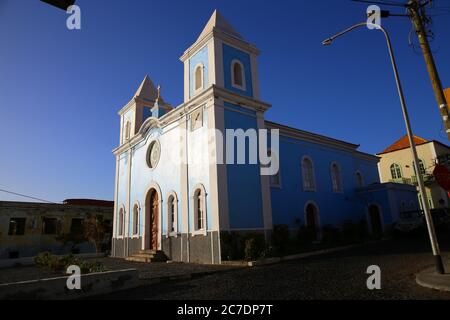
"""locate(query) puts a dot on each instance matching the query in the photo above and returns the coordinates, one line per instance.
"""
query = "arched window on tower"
(198, 78)
(127, 130)
(237, 75)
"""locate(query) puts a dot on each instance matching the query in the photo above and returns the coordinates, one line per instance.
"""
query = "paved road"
(334, 276)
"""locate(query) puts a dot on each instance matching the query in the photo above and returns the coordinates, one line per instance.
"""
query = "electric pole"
(417, 19)
(417, 15)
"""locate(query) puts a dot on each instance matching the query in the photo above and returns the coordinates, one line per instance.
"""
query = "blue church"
(174, 193)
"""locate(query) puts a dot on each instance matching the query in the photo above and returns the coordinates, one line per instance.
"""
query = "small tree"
(95, 230)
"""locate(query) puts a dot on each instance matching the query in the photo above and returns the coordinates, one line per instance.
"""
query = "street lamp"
(429, 220)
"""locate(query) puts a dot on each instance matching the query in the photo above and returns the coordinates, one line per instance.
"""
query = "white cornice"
(188, 107)
(322, 140)
(132, 102)
(241, 44)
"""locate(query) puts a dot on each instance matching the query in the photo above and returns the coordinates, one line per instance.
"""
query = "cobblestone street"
(334, 276)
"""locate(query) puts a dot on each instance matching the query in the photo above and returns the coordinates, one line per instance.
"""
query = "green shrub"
(232, 246)
(354, 232)
(255, 246)
(281, 237)
(331, 234)
(46, 260)
(305, 236)
(52, 262)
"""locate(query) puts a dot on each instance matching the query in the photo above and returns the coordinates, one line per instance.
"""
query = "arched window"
(359, 179)
(198, 78)
(127, 130)
(275, 180)
(237, 75)
(309, 183)
(396, 172)
(199, 205)
(136, 219)
(121, 221)
(172, 214)
(336, 177)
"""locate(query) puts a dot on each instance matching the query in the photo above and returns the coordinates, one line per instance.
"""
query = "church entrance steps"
(148, 256)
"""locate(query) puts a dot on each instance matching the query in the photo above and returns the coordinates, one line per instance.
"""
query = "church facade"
(176, 192)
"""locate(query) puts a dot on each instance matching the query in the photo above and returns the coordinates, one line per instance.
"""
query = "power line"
(26, 196)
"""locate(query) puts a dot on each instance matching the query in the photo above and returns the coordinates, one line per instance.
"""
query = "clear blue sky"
(60, 90)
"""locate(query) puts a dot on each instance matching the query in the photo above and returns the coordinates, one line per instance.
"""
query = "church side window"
(336, 178)
(275, 179)
(136, 219)
(359, 179)
(172, 214)
(121, 221)
(199, 210)
(309, 183)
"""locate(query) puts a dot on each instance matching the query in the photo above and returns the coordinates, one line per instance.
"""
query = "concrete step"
(148, 256)
(148, 251)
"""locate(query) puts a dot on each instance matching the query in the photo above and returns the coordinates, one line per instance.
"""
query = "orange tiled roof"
(403, 143)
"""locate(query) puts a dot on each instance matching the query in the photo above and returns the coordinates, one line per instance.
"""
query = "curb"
(298, 256)
(431, 280)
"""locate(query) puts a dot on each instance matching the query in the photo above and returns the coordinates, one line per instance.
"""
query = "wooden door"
(154, 211)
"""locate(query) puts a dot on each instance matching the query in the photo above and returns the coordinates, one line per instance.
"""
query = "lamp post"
(429, 220)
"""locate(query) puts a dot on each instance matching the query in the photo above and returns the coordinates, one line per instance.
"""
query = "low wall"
(29, 261)
(56, 288)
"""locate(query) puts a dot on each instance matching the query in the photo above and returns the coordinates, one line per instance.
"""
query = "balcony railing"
(428, 180)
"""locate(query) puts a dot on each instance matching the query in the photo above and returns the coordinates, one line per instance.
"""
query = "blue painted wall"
(244, 181)
(229, 54)
(288, 202)
(199, 57)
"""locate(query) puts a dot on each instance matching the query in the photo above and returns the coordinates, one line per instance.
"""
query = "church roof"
(147, 90)
(218, 23)
(403, 143)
